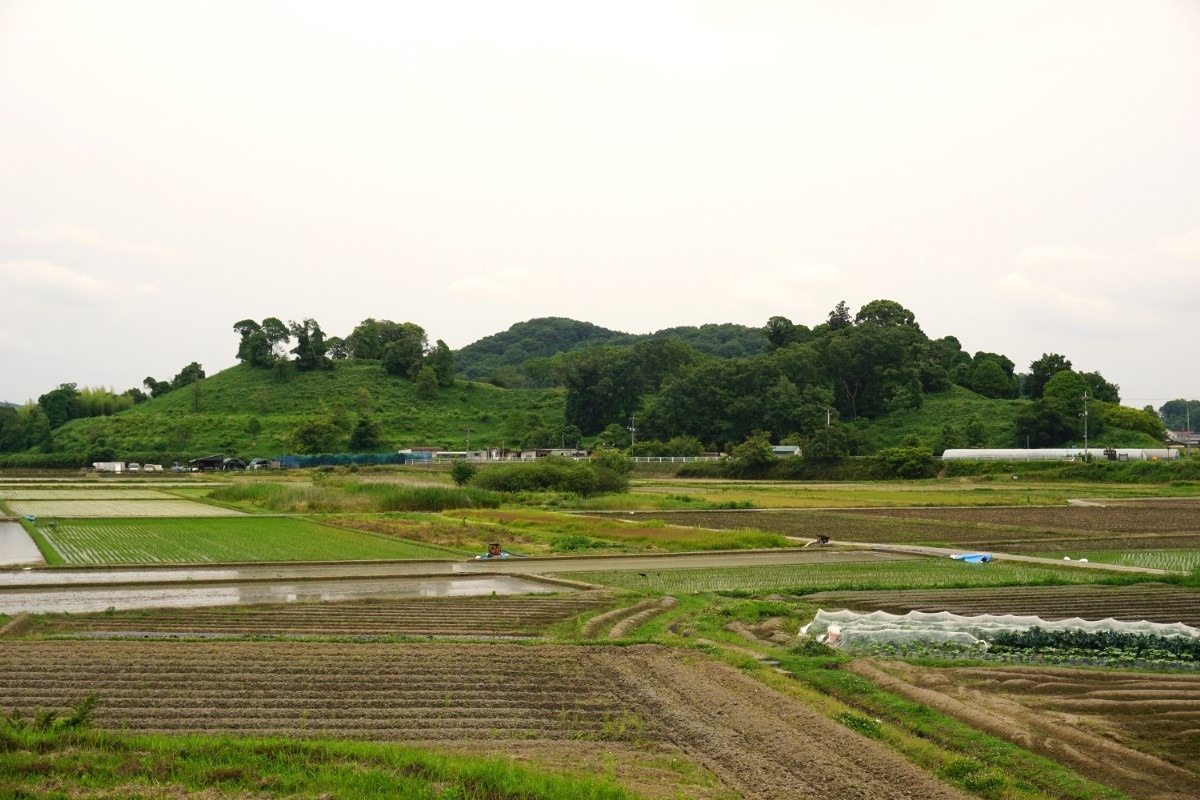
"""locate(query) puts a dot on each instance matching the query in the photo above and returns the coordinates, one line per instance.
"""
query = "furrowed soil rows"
(760, 743)
(1028, 530)
(118, 508)
(382, 692)
(454, 616)
(1134, 731)
(1152, 602)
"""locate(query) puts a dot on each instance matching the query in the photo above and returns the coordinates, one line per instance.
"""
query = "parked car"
(133, 466)
(259, 463)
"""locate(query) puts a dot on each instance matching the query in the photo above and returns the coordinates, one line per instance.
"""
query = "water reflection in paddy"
(122, 598)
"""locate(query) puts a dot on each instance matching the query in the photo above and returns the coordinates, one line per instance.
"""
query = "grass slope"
(958, 406)
(248, 412)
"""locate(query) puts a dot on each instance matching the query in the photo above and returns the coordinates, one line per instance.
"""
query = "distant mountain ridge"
(544, 337)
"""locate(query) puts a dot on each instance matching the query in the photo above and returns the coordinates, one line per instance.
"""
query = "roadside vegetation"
(53, 749)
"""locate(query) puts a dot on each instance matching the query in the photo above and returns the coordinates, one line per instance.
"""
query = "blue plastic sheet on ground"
(973, 558)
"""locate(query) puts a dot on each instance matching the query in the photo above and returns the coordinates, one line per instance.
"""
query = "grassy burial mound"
(248, 412)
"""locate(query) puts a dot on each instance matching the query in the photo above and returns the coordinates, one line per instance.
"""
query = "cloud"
(796, 280)
(501, 283)
(821, 275)
(34, 281)
(12, 343)
(93, 240)
(1185, 245)
(1063, 258)
(1045, 301)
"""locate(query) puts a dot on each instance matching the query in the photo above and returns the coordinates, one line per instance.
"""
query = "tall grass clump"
(552, 474)
(354, 497)
(287, 497)
(390, 497)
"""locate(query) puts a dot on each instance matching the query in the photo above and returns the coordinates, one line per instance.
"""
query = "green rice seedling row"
(1169, 560)
(166, 541)
(801, 579)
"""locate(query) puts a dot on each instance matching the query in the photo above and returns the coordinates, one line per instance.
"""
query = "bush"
(908, 462)
(552, 474)
(462, 472)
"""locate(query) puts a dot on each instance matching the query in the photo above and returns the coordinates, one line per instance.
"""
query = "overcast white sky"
(1022, 175)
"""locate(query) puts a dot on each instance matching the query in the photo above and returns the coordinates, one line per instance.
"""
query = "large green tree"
(1047, 422)
(310, 345)
(262, 345)
(60, 405)
(988, 377)
(1180, 414)
(1041, 371)
(12, 431)
(188, 375)
(441, 360)
(404, 353)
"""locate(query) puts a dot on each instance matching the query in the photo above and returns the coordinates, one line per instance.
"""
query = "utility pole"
(828, 412)
(468, 438)
(1085, 427)
(632, 431)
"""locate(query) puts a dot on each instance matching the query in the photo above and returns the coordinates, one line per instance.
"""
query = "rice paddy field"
(103, 501)
(240, 539)
(709, 676)
(806, 578)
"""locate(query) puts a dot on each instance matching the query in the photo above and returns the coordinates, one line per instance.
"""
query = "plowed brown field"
(444, 616)
(1136, 732)
(759, 743)
(1146, 526)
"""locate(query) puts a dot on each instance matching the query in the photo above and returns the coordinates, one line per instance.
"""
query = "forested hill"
(501, 357)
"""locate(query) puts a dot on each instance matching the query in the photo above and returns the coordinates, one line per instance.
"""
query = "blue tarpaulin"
(973, 558)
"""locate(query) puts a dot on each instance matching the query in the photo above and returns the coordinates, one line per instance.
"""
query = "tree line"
(402, 348)
(662, 395)
(813, 382)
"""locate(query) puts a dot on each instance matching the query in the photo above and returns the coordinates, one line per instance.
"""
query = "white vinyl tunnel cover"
(848, 630)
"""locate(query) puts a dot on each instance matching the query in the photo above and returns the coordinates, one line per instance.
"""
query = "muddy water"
(101, 598)
(41, 589)
(15, 545)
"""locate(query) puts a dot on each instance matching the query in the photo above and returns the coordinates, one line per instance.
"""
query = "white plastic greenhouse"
(1059, 454)
(849, 630)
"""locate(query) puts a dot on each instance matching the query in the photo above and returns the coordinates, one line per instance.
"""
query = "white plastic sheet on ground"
(850, 629)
